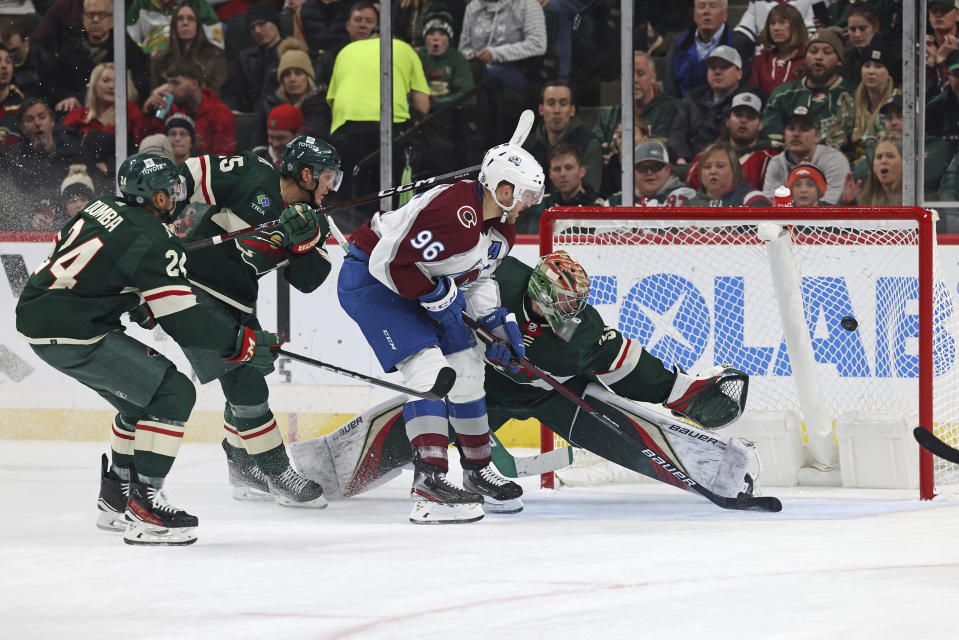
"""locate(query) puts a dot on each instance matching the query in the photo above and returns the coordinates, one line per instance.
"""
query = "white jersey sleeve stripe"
(165, 304)
(626, 361)
(202, 183)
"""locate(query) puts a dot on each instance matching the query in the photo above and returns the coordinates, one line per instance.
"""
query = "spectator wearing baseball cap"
(700, 114)
(808, 185)
(284, 123)
(874, 90)
(181, 132)
(655, 184)
(297, 88)
(743, 131)
(804, 144)
(822, 89)
(253, 70)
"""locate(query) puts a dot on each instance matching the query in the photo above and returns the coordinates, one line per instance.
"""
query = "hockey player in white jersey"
(409, 276)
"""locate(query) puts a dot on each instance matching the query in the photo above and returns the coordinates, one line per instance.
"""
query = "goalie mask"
(308, 151)
(142, 174)
(560, 287)
(515, 165)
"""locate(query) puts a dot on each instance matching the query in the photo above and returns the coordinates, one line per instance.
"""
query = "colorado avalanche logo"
(515, 160)
(467, 217)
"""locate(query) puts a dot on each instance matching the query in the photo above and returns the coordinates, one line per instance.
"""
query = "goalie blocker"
(372, 448)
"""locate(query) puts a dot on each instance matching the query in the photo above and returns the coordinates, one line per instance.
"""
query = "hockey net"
(774, 292)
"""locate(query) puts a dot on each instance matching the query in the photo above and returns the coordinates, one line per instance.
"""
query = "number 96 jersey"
(440, 232)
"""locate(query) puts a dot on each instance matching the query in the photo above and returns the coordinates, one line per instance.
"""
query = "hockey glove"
(255, 347)
(303, 228)
(143, 316)
(445, 305)
(503, 325)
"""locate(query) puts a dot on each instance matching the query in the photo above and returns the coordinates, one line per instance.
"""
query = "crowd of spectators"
(803, 93)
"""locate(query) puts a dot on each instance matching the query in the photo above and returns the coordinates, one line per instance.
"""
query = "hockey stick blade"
(444, 379)
(524, 467)
(385, 193)
(934, 445)
(742, 502)
(523, 128)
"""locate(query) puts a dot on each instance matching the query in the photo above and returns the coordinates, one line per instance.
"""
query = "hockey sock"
(427, 427)
(122, 434)
(261, 438)
(471, 424)
(236, 452)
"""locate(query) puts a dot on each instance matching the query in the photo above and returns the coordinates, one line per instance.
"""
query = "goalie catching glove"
(503, 325)
(303, 228)
(255, 347)
(711, 399)
(445, 305)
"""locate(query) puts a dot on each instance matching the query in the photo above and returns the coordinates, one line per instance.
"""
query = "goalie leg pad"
(712, 399)
(369, 450)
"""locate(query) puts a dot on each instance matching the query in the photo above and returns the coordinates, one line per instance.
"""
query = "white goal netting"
(824, 315)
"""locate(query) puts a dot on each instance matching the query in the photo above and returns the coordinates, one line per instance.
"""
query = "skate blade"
(429, 512)
(317, 503)
(148, 534)
(249, 494)
(502, 506)
(110, 520)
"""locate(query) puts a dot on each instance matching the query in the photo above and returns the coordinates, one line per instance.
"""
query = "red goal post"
(726, 277)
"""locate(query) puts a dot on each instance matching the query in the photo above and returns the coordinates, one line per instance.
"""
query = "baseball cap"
(285, 116)
(831, 36)
(727, 53)
(805, 114)
(895, 102)
(650, 150)
(948, 3)
(747, 99)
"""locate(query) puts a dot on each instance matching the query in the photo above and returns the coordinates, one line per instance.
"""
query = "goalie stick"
(935, 446)
(272, 224)
(742, 502)
(444, 379)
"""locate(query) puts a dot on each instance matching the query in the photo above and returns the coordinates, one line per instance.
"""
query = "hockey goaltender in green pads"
(372, 448)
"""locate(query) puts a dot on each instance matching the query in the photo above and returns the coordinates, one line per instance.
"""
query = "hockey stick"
(272, 224)
(444, 379)
(934, 445)
(742, 502)
(523, 467)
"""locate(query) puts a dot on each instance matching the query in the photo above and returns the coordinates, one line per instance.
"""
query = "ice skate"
(499, 494)
(154, 521)
(437, 501)
(112, 501)
(290, 489)
(249, 483)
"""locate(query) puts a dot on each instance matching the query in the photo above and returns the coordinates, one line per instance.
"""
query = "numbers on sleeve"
(430, 250)
(67, 267)
(177, 265)
(608, 334)
(228, 164)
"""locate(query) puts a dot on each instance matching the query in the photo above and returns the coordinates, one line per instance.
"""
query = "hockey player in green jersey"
(568, 339)
(242, 191)
(116, 252)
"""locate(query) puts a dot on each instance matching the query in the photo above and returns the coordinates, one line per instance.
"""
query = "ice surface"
(635, 563)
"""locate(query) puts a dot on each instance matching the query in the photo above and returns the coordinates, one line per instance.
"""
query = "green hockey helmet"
(560, 287)
(308, 151)
(141, 174)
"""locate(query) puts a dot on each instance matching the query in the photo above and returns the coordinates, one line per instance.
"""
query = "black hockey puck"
(849, 323)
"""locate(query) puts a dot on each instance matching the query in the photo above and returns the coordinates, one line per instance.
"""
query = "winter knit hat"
(181, 120)
(78, 181)
(293, 55)
(831, 36)
(285, 116)
(435, 22)
(157, 144)
(262, 11)
(811, 171)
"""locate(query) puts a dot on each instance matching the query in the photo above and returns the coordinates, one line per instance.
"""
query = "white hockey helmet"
(515, 165)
